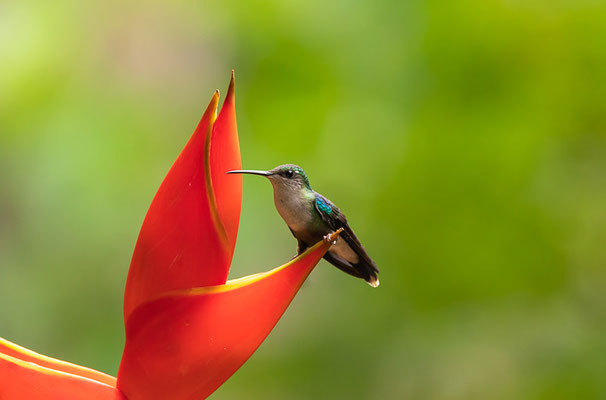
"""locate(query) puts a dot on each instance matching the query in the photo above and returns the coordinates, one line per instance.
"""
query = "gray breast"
(295, 209)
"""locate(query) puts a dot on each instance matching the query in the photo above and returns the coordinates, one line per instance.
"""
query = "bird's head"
(289, 177)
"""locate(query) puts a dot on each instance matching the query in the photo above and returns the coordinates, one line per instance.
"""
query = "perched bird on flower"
(311, 216)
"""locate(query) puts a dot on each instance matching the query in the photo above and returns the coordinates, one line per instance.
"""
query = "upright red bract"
(187, 329)
(183, 242)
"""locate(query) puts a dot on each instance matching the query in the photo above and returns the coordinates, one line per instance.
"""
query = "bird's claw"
(332, 237)
(327, 239)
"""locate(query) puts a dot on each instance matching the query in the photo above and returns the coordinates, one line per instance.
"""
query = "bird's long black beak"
(250, 171)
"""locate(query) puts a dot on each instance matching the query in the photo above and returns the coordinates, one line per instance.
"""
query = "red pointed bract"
(23, 354)
(225, 156)
(187, 331)
(185, 345)
(182, 241)
(25, 380)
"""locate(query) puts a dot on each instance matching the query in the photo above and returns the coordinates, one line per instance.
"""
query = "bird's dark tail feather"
(361, 270)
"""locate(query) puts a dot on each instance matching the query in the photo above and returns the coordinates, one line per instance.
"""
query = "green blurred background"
(466, 141)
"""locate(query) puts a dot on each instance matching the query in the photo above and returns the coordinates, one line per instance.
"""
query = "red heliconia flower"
(187, 328)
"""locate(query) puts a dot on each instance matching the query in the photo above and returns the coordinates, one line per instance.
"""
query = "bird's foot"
(332, 237)
(327, 239)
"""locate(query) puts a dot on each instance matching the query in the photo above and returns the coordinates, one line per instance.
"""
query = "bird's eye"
(289, 173)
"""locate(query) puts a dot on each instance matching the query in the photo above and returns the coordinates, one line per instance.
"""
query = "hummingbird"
(311, 217)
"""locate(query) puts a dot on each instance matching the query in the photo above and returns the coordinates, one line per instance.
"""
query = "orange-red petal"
(183, 242)
(26, 380)
(23, 354)
(225, 156)
(185, 344)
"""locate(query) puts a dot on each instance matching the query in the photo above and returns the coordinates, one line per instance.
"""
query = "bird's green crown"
(292, 171)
